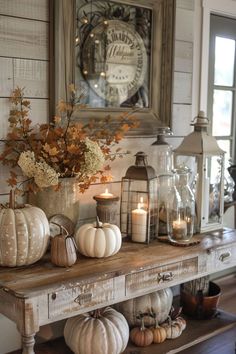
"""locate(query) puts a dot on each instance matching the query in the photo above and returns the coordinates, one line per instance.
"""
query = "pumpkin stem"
(97, 313)
(98, 223)
(12, 199)
(62, 228)
(142, 328)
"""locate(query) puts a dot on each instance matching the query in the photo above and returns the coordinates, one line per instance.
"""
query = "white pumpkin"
(98, 240)
(102, 332)
(159, 302)
(24, 235)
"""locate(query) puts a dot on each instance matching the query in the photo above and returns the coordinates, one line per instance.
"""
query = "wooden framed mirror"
(119, 55)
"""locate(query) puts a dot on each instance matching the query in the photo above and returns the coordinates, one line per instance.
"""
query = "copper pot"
(200, 306)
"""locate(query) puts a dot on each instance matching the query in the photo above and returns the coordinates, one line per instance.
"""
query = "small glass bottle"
(163, 152)
(182, 208)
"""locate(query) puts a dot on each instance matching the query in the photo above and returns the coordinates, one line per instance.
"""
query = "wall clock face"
(114, 61)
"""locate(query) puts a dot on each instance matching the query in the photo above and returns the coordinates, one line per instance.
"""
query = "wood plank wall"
(24, 61)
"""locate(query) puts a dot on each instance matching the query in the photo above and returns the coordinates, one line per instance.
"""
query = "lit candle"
(139, 224)
(106, 194)
(179, 229)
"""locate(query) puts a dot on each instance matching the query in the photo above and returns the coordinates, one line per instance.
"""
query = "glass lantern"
(201, 152)
(165, 187)
(138, 214)
(163, 152)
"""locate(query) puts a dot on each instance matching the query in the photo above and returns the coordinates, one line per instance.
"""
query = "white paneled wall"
(24, 62)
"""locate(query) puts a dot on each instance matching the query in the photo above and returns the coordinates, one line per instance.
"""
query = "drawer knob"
(224, 256)
(162, 277)
(83, 298)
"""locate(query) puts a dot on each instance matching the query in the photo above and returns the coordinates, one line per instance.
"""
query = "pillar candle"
(179, 229)
(139, 224)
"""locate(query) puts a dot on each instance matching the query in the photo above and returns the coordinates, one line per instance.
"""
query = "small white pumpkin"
(101, 332)
(159, 302)
(98, 240)
(24, 234)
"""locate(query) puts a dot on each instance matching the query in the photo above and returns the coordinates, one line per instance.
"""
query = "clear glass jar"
(163, 152)
(165, 186)
(181, 207)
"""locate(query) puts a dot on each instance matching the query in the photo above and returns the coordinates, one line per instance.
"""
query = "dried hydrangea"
(45, 176)
(93, 158)
(27, 163)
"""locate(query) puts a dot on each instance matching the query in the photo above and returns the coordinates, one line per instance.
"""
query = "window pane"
(225, 145)
(224, 61)
(222, 112)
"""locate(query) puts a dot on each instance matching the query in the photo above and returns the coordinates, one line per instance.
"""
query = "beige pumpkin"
(101, 332)
(63, 249)
(98, 240)
(182, 322)
(159, 302)
(24, 235)
(173, 329)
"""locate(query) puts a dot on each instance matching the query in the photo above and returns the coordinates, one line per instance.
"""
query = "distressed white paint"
(6, 76)
(183, 56)
(185, 4)
(184, 25)
(32, 75)
(23, 38)
(181, 119)
(33, 9)
(182, 88)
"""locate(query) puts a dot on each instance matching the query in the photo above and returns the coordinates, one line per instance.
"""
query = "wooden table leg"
(28, 344)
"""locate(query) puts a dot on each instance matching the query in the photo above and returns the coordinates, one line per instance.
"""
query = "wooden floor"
(223, 344)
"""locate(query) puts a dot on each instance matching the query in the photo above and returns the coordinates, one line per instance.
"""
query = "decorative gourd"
(102, 332)
(159, 302)
(100, 240)
(159, 333)
(173, 329)
(141, 336)
(181, 321)
(63, 248)
(24, 234)
(175, 315)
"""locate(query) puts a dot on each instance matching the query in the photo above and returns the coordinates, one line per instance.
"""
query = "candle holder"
(107, 207)
(138, 209)
(181, 208)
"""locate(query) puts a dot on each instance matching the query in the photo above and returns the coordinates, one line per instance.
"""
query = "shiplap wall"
(24, 62)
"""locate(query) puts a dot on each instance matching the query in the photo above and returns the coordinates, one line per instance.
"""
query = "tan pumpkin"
(63, 248)
(98, 240)
(182, 322)
(101, 332)
(159, 302)
(24, 234)
(173, 329)
(141, 336)
(159, 333)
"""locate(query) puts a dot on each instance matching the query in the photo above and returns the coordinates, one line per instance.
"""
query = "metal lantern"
(138, 215)
(201, 152)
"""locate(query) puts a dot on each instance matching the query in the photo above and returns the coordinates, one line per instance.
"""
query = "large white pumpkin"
(159, 302)
(100, 333)
(98, 240)
(24, 235)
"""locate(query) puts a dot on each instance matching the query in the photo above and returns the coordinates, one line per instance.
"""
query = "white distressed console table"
(42, 293)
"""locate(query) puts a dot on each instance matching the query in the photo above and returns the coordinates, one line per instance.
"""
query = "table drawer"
(225, 257)
(169, 274)
(80, 297)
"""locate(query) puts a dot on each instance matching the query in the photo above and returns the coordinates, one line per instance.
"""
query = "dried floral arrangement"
(62, 148)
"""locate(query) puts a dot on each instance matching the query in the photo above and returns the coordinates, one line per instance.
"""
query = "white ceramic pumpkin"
(24, 235)
(101, 332)
(98, 240)
(159, 302)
